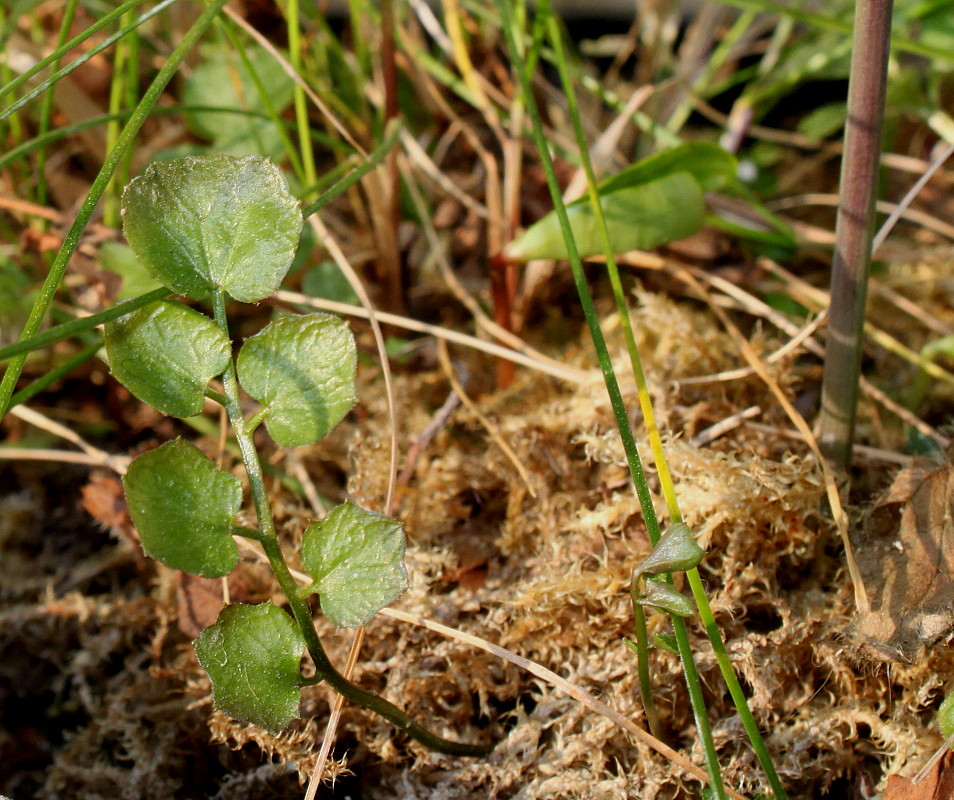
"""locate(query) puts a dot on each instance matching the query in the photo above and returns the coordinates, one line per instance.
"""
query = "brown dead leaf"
(907, 563)
(104, 501)
(200, 600)
(938, 784)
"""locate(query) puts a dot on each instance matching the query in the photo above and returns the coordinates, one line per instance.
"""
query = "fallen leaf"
(200, 600)
(907, 564)
(105, 501)
(938, 784)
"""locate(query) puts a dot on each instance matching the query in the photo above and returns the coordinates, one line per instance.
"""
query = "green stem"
(42, 87)
(662, 465)
(77, 326)
(256, 419)
(46, 108)
(693, 683)
(126, 138)
(298, 605)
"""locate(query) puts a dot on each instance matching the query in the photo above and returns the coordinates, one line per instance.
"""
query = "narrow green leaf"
(252, 655)
(213, 223)
(639, 217)
(166, 354)
(302, 369)
(664, 597)
(183, 505)
(667, 642)
(712, 167)
(676, 551)
(652, 202)
(356, 558)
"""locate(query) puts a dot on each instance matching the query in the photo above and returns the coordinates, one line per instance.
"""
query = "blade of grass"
(60, 51)
(374, 159)
(46, 109)
(609, 377)
(51, 377)
(68, 130)
(119, 92)
(126, 138)
(899, 44)
(77, 326)
(662, 467)
(292, 14)
(293, 157)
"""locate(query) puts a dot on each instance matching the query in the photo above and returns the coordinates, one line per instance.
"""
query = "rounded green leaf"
(945, 716)
(183, 505)
(666, 598)
(356, 558)
(302, 369)
(223, 81)
(122, 260)
(252, 655)
(208, 223)
(166, 354)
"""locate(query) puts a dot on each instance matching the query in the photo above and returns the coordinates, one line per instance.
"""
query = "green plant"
(212, 228)
(602, 233)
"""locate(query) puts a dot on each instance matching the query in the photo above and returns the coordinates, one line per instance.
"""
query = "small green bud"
(662, 596)
(676, 551)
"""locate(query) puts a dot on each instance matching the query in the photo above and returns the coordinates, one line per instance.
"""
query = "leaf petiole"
(256, 419)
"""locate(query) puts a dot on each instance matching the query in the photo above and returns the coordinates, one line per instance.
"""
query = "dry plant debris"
(546, 577)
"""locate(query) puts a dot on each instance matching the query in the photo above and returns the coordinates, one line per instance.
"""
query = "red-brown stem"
(855, 227)
(503, 290)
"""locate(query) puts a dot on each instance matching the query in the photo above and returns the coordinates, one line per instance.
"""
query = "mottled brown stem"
(855, 227)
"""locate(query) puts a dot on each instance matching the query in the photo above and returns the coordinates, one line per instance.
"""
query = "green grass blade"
(105, 21)
(46, 109)
(77, 326)
(375, 158)
(665, 477)
(622, 420)
(58, 268)
(29, 96)
(51, 377)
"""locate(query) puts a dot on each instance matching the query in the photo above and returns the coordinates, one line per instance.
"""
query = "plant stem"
(46, 107)
(662, 465)
(298, 605)
(855, 227)
(612, 387)
(77, 326)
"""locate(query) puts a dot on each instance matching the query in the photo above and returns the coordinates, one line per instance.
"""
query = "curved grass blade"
(58, 268)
